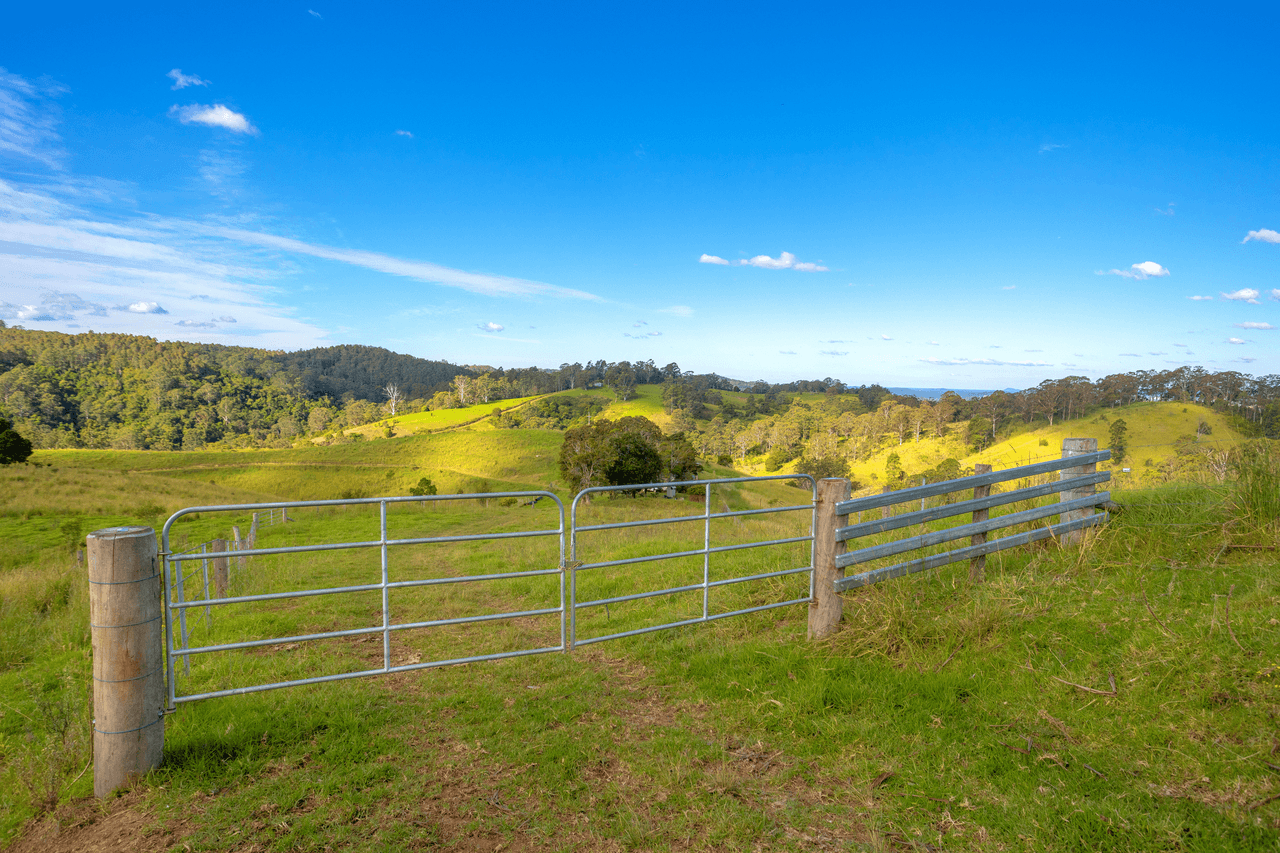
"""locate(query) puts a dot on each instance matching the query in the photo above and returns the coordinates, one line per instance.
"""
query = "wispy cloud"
(1200, 298)
(1166, 211)
(404, 133)
(1274, 294)
(786, 352)
(216, 115)
(885, 338)
(677, 311)
(28, 119)
(1010, 287)
(1262, 235)
(490, 285)
(712, 259)
(182, 81)
(982, 362)
(490, 327)
(1144, 270)
(1251, 324)
(1051, 146)
(195, 324)
(833, 353)
(315, 13)
(1245, 294)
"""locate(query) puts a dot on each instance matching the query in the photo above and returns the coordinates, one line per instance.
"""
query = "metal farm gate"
(177, 599)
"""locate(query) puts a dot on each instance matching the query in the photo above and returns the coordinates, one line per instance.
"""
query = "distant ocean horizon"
(936, 393)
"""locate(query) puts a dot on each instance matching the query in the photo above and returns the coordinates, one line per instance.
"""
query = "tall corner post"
(128, 656)
(826, 607)
(1076, 447)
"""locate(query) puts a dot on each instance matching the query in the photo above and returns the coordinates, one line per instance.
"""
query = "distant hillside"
(363, 372)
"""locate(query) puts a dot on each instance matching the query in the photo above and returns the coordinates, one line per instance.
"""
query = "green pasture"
(1120, 695)
(437, 420)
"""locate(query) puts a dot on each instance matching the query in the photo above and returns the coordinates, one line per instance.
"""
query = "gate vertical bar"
(386, 593)
(182, 620)
(170, 571)
(204, 570)
(706, 550)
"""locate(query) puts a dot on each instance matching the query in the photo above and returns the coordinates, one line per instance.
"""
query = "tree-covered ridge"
(134, 392)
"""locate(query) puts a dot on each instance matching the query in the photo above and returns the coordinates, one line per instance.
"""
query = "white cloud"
(677, 310)
(1274, 294)
(1245, 294)
(146, 308)
(195, 324)
(655, 334)
(1235, 341)
(1050, 146)
(638, 323)
(1144, 270)
(182, 81)
(784, 261)
(1200, 298)
(1245, 359)
(1262, 235)
(1184, 346)
(314, 12)
(225, 319)
(54, 306)
(1167, 211)
(833, 353)
(404, 133)
(885, 338)
(1010, 287)
(934, 344)
(712, 259)
(1251, 324)
(491, 327)
(216, 115)
(786, 352)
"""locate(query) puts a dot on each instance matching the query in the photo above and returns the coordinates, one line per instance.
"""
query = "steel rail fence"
(979, 548)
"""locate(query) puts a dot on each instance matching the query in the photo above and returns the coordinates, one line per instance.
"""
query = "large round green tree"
(13, 447)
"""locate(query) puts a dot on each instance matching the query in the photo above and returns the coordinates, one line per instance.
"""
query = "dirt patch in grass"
(86, 825)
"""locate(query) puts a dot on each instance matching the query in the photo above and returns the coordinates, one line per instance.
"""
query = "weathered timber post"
(128, 657)
(826, 607)
(1076, 447)
(978, 565)
(221, 575)
(239, 545)
(884, 510)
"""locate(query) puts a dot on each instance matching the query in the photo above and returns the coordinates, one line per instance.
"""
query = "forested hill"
(130, 391)
(363, 372)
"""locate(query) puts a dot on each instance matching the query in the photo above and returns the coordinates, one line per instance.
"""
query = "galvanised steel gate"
(176, 602)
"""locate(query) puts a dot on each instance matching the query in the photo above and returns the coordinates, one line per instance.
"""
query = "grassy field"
(1119, 696)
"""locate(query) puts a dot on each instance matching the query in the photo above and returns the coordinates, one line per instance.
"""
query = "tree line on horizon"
(134, 392)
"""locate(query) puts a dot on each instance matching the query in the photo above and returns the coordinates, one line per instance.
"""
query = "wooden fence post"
(221, 576)
(826, 607)
(884, 510)
(1076, 447)
(978, 565)
(128, 658)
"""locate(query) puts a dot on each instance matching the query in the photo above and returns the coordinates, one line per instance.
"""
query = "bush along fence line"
(134, 609)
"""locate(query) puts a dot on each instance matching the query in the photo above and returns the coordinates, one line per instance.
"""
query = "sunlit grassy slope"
(1152, 430)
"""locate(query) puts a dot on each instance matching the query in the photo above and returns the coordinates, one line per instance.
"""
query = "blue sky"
(936, 196)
